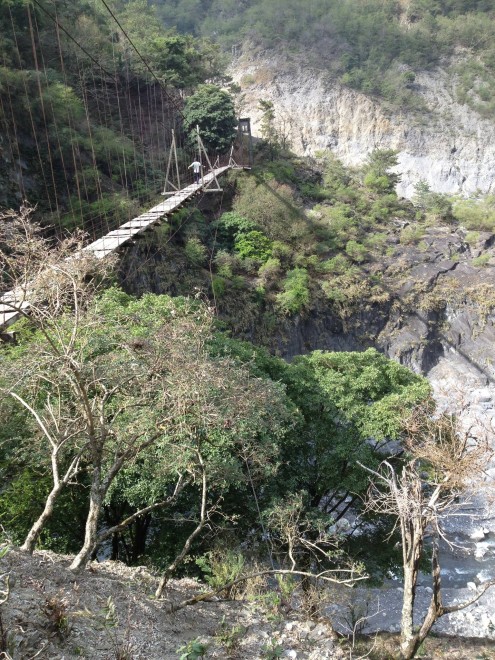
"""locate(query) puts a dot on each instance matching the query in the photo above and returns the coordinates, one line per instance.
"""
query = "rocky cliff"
(447, 144)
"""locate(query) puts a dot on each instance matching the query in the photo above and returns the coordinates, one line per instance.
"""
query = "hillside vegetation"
(148, 413)
(80, 106)
(374, 46)
(303, 240)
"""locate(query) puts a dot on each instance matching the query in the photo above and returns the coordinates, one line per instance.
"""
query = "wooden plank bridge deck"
(115, 239)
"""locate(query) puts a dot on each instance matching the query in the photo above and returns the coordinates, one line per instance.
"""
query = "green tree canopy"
(212, 109)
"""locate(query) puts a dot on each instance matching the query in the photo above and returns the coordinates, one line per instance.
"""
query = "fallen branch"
(318, 576)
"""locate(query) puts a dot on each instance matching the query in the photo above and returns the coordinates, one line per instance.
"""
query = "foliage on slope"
(373, 46)
(79, 107)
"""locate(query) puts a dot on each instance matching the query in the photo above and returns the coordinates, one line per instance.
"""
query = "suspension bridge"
(15, 304)
(97, 135)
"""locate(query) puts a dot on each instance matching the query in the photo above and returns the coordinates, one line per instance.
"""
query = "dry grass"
(384, 647)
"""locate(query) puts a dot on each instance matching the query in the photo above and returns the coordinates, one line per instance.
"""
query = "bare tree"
(46, 279)
(444, 464)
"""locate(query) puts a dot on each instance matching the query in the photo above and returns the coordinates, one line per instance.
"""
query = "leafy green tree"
(146, 407)
(268, 129)
(109, 384)
(350, 406)
(431, 202)
(378, 176)
(181, 60)
(212, 109)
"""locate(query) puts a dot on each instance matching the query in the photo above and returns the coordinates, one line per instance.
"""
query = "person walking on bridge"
(196, 165)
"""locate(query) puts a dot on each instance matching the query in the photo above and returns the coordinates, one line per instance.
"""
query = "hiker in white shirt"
(196, 165)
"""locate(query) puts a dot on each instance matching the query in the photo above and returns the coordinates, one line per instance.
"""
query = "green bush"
(253, 245)
(229, 225)
(376, 182)
(218, 286)
(295, 295)
(268, 204)
(481, 261)
(227, 263)
(477, 214)
(281, 251)
(356, 251)
(337, 265)
(195, 251)
(411, 234)
(270, 270)
(472, 237)
(221, 567)
(377, 241)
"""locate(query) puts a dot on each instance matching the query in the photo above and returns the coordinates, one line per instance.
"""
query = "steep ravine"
(435, 316)
(447, 144)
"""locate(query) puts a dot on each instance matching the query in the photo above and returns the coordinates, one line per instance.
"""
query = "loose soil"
(109, 611)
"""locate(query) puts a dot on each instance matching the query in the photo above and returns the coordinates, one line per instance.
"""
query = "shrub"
(227, 264)
(270, 270)
(221, 567)
(270, 205)
(311, 261)
(218, 286)
(281, 251)
(411, 234)
(230, 225)
(376, 182)
(295, 295)
(356, 251)
(377, 241)
(253, 245)
(481, 261)
(193, 650)
(195, 251)
(472, 237)
(337, 265)
(478, 214)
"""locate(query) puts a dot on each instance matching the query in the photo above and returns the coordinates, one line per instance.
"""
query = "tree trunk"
(435, 611)
(140, 537)
(407, 619)
(187, 545)
(95, 506)
(33, 535)
(412, 541)
(115, 547)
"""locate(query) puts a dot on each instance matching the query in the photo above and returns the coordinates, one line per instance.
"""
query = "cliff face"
(448, 145)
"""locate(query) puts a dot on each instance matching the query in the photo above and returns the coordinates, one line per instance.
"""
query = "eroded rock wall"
(447, 144)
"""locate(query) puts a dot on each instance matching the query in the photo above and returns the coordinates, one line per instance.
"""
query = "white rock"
(478, 534)
(481, 550)
(472, 586)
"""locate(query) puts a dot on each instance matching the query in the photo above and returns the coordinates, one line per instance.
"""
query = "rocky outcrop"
(447, 144)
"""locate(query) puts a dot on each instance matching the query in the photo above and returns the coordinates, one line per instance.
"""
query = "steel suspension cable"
(42, 104)
(31, 119)
(54, 118)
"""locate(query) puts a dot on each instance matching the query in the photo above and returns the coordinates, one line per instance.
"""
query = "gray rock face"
(448, 145)
(381, 609)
